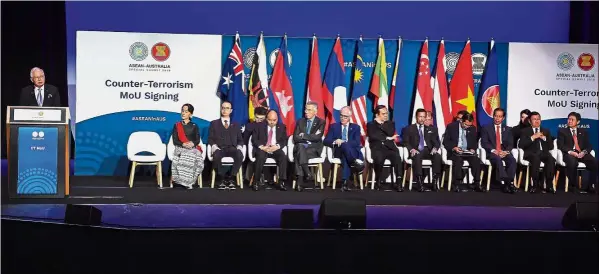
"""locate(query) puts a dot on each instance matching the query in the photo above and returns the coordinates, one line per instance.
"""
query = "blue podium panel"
(38, 161)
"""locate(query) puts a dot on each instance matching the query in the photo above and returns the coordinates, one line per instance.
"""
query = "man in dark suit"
(428, 122)
(226, 141)
(461, 141)
(39, 94)
(269, 141)
(497, 140)
(423, 143)
(537, 144)
(345, 140)
(576, 147)
(307, 140)
(524, 123)
(259, 116)
(381, 139)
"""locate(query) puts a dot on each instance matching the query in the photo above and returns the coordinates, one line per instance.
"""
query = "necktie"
(40, 101)
(464, 140)
(269, 136)
(421, 134)
(309, 126)
(227, 124)
(540, 145)
(575, 140)
(497, 139)
(344, 134)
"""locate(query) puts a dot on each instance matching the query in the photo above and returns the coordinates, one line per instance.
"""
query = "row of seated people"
(269, 140)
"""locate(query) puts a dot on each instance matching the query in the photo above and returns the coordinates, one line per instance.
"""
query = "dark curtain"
(584, 28)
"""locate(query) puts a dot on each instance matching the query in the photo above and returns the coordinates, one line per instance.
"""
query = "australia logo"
(138, 51)
(565, 61)
(273, 57)
(248, 57)
(451, 60)
(161, 52)
(586, 61)
(490, 100)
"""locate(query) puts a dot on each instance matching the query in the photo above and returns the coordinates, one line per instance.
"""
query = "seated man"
(537, 144)
(576, 147)
(259, 116)
(381, 140)
(307, 138)
(497, 140)
(269, 141)
(460, 140)
(345, 139)
(226, 141)
(423, 143)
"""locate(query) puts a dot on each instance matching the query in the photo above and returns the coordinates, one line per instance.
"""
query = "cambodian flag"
(488, 97)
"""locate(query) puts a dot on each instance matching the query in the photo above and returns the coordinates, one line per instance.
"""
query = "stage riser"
(72, 249)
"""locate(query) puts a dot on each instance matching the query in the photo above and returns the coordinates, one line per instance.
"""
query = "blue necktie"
(39, 97)
(421, 143)
(464, 142)
(344, 134)
(309, 126)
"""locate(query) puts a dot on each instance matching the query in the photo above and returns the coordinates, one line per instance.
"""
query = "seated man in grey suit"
(307, 140)
(226, 141)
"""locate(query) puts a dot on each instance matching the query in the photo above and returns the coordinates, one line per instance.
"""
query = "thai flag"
(440, 92)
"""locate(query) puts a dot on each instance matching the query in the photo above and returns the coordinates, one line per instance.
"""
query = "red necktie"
(226, 124)
(269, 137)
(497, 139)
(575, 141)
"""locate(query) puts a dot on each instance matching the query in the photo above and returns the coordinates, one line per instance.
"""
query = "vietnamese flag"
(461, 87)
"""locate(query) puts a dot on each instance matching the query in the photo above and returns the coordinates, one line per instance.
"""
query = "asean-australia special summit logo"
(565, 61)
(138, 51)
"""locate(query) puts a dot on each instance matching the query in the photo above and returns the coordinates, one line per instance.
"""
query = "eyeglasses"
(345, 116)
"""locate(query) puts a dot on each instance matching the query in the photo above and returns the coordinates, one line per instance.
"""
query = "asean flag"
(489, 92)
(280, 86)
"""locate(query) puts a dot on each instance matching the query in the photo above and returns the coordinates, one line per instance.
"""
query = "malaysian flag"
(359, 92)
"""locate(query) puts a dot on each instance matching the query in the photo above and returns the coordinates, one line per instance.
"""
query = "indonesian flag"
(314, 93)
(424, 93)
(461, 87)
(440, 93)
(379, 83)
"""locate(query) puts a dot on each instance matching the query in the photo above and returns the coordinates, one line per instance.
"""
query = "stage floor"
(115, 190)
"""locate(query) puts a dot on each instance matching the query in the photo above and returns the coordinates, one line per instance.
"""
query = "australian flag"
(232, 86)
(488, 97)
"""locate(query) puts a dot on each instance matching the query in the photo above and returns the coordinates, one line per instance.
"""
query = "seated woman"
(187, 162)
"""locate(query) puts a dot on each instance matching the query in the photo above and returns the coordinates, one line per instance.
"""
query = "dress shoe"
(436, 186)
(357, 167)
(344, 186)
(377, 185)
(399, 184)
(308, 176)
(420, 183)
(455, 187)
(477, 187)
(222, 185)
(282, 186)
(551, 190)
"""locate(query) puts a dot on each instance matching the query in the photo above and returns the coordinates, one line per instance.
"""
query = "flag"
(359, 92)
(424, 94)
(461, 87)
(258, 85)
(379, 83)
(314, 93)
(280, 86)
(440, 93)
(333, 88)
(488, 96)
(232, 84)
(392, 93)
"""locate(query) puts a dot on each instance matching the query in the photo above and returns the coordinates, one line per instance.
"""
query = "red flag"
(280, 86)
(440, 92)
(461, 87)
(314, 93)
(424, 93)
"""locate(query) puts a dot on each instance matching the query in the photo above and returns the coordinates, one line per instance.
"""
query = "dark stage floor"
(115, 190)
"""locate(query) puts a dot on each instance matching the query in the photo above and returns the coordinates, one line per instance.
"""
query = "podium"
(38, 144)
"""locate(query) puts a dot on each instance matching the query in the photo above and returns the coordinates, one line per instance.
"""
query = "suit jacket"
(517, 132)
(353, 136)
(51, 96)
(378, 133)
(249, 131)
(531, 147)
(452, 135)
(260, 135)
(314, 136)
(412, 138)
(565, 141)
(487, 138)
(223, 138)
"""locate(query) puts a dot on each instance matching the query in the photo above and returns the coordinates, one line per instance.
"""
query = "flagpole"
(360, 36)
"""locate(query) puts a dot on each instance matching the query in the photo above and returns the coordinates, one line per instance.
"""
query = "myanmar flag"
(378, 86)
(461, 87)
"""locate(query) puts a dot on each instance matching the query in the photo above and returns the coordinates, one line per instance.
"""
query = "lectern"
(38, 141)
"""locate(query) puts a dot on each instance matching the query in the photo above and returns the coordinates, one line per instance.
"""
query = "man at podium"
(39, 94)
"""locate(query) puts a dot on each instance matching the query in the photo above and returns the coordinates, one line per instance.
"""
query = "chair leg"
(334, 182)
(566, 190)
(450, 178)
(320, 176)
(555, 180)
(489, 172)
(132, 174)
(579, 182)
(239, 180)
(361, 182)
(372, 179)
(213, 178)
(527, 178)
(403, 180)
(200, 181)
(411, 179)
(519, 179)
(159, 174)
(443, 178)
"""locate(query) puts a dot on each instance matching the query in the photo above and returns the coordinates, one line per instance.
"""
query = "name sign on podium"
(38, 141)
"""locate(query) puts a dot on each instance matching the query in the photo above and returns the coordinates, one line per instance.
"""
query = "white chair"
(526, 163)
(146, 141)
(386, 164)
(449, 163)
(226, 161)
(482, 154)
(426, 163)
(270, 162)
(336, 162)
(170, 150)
(560, 161)
(314, 162)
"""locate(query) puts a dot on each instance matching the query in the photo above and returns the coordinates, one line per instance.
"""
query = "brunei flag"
(258, 84)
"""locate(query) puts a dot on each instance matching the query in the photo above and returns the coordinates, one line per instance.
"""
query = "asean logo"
(161, 52)
(490, 100)
(586, 61)
(565, 61)
(138, 51)
(41, 113)
(273, 57)
(478, 63)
